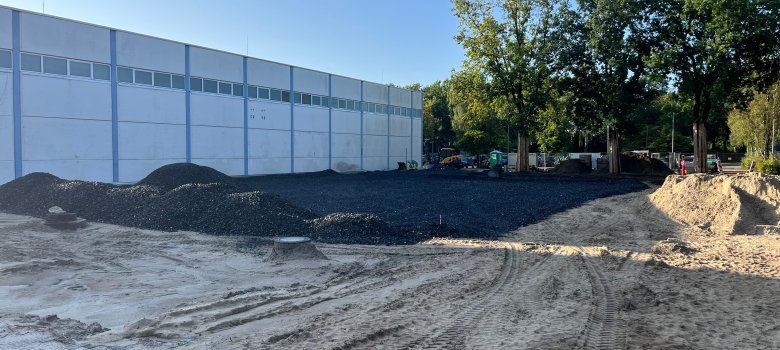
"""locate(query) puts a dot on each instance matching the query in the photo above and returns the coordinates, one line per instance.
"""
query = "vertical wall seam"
(292, 122)
(388, 127)
(330, 121)
(114, 111)
(17, 93)
(246, 120)
(187, 98)
(361, 126)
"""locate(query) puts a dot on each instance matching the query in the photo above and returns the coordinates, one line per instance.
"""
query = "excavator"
(450, 156)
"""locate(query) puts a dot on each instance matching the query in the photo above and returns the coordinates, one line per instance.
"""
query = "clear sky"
(384, 41)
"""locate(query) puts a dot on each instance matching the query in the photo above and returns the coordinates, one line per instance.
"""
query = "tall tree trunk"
(522, 153)
(699, 147)
(614, 151)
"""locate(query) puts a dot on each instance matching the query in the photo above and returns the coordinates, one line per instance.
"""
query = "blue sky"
(388, 41)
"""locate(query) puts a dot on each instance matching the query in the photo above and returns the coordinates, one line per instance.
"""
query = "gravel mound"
(632, 163)
(351, 228)
(572, 167)
(723, 204)
(174, 175)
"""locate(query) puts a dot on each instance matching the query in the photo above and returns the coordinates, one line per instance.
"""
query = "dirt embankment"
(741, 204)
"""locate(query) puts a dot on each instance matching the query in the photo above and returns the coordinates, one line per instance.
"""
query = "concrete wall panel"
(6, 171)
(400, 146)
(311, 144)
(142, 104)
(375, 163)
(6, 39)
(213, 110)
(311, 119)
(346, 145)
(44, 96)
(269, 115)
(417, 99)
(311, 82)
(374, 146)
(140, 51)
(269, 144)
(268, 74)
(133, 170)
(269, 166)
(65, 139)
(345, 164)
(58, 37)
(346, 122)
(228, 166)
(151, 141)
(304, 165)
(375, 93)
(78, 169)
(6, 138)
(215, 143)
(400, 126)
(6, 93)
(400, 97)
(345, 88)
(216, 65)
(374, 124)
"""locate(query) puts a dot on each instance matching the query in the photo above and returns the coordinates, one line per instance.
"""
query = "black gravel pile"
(572, 167)
(172, 176)
(356, 229)
(633, 163)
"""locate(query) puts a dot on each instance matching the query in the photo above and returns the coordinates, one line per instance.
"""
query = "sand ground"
(614, 273)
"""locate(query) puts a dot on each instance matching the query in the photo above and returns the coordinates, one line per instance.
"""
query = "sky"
(384, 41)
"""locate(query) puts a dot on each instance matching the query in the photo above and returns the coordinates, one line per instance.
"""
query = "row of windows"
(61, 66)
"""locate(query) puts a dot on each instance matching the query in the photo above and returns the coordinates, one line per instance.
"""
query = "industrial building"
(87, 102)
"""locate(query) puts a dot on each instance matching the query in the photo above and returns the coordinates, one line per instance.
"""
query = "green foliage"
(437, 116)
(769, 166)
(752, 127)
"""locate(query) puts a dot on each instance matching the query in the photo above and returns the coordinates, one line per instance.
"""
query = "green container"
(495, 158)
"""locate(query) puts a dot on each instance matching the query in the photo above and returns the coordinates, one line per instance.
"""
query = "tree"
(511, 43)
(753, 127)
(604, 50)
(714, 51)
(477, 116)
(437, 116)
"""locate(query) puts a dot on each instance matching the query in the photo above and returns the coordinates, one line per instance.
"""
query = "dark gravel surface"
(364, 208)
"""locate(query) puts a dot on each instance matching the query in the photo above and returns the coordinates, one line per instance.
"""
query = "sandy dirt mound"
(572, 167)
(741, 204)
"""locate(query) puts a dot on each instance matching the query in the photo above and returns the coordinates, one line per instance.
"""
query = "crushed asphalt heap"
(572, 167)
(634, 163)
(739, 204)
(363, 208)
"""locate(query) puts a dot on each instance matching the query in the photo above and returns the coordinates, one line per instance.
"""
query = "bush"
(746, 160)
(769, 166)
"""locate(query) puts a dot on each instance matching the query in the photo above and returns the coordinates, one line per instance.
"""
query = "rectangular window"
(325, 101)
(5, 59)
(306, 99)
(80, 69)
(143, 77)
(124, 75)
(210, 86)
(224, 88)
(342, 104)
(285, 96)
(316, 100)
(196, 84)
(372, 107)
(264, 94)
(404, 112)
(55, 65)
(31, 63)
(177, 82)
(162, 80)
(397, 110)
(276, 95)
(297, 97)
(252, 92)
(238, 90)
(350, 104)
(101, 71)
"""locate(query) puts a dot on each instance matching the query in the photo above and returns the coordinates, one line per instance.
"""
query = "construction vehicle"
(450, 156)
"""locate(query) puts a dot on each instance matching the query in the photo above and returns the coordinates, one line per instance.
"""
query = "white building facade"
(87, 102)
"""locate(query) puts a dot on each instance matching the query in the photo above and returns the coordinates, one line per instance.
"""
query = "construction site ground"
(613, 273)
